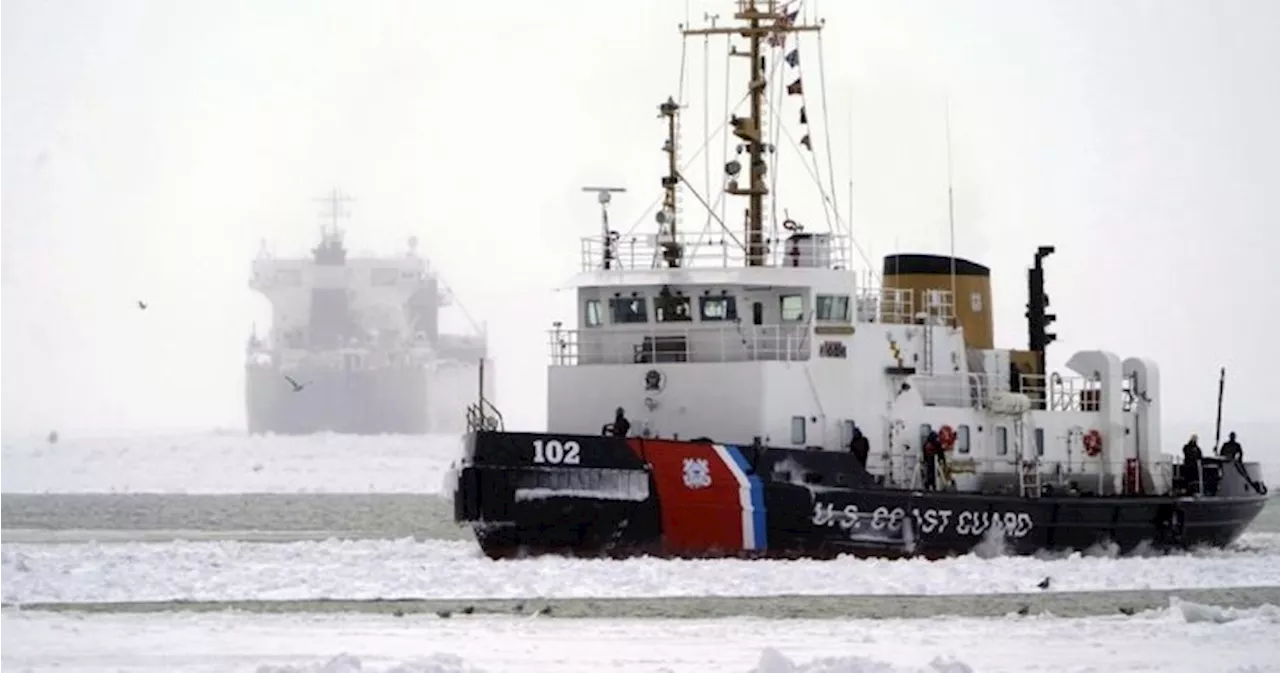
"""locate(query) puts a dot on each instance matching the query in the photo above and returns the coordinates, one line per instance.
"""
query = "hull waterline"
(702, 500)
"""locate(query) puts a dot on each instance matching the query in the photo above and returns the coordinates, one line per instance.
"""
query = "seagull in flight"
(142, 304)
(296, 386)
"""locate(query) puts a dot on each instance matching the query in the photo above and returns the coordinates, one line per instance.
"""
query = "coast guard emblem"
(697, 474)
(653, 380)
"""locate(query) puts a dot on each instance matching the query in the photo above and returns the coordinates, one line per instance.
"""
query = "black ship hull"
(528, 494)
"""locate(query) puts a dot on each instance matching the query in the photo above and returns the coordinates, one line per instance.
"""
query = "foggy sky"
(149, 145)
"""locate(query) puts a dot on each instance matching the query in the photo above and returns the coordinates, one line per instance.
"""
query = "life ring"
(947, 437)
(1093, 443)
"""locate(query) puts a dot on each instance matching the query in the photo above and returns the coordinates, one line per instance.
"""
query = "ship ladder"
(928, 346)
(1028, 469)
(1029, 478)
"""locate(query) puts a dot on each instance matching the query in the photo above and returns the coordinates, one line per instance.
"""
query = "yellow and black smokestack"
(972, 303)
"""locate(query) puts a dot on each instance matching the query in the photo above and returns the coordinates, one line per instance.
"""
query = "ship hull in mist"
(388, 400)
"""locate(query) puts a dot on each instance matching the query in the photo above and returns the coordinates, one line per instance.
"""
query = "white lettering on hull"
(928, 520)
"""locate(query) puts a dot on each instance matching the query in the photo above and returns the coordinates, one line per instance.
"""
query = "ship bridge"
(714, 309)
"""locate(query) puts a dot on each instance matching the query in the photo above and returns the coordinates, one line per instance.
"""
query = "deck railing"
(712, 250)
(730, 343)
(897, 306)
(1062, 393)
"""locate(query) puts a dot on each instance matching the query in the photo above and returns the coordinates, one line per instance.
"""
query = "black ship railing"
(483, 416)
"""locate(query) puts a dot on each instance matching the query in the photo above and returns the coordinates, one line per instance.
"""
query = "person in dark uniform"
(1231, 449)
(1191, 455)
(932, 449)
(860, 446)
(620, 425)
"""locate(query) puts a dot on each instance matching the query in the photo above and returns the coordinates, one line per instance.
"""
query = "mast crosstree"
(765, 20)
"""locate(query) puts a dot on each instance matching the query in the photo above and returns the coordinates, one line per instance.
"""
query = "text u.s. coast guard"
(926, 520)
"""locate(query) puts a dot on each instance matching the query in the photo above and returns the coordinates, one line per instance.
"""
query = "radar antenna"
(331, 251)
(604, 195)
(765, 19)
(334, 201)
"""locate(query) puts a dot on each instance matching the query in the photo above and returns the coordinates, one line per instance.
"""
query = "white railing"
(731, 343)
(898, 306)
(713, 250)
(1062, 393)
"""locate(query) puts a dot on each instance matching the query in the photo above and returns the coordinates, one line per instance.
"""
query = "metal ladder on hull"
(1028, 468)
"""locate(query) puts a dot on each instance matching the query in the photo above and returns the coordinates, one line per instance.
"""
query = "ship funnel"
(924, 273)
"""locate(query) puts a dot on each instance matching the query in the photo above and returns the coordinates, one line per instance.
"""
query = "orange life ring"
(1093, 443)
(947, 437)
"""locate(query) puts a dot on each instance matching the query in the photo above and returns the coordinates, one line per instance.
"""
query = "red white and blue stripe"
(755, 532)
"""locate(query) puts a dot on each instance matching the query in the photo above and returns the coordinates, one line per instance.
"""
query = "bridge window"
(1039, 441)
(1002, 441)
(962, 439)
(833, 307)
(717, 308)
(629, 310)
(592, 315)
(673, 309)
(792, 306)
(797, 429)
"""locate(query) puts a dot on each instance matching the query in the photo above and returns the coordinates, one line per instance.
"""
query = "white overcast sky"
(149, 144)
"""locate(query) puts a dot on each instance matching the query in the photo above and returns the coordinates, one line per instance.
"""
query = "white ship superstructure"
(355, 344)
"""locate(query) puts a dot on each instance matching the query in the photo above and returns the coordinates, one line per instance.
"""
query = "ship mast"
(331, 250)
(764, 19)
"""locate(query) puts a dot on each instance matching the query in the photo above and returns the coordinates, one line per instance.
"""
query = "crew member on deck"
(1231, 448)
(620, 425)
(1191, 455)
(860, 446)
(932, 451)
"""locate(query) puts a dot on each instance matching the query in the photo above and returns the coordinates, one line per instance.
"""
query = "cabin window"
(629, 309)
(1039, 441)
(797, 429)
(962, 439)
(717, 308)
(792, 307)
(833, 307)
(591, 315)
(672, 309)
(1002, 441)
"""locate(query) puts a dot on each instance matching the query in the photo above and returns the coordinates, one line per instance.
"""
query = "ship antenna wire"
(826, 129)
(706, 110)
(951, 214)
(724, 152)
(684, 48)
(849, 157)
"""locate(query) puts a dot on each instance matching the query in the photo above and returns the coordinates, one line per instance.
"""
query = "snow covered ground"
(1184, 637)
(229, 462)
(444, 569)
(232, 462)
